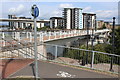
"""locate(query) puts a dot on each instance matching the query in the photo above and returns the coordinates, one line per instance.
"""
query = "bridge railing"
(67, 55)
(47, 35)
(84, 58)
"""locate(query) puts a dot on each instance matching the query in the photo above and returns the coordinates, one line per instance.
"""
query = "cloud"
(20, 10)
(66, 5)
(106, 13)
(87, 9)
(58, 11)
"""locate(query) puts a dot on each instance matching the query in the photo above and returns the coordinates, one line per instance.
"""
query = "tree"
(117, 42)
(103, 26)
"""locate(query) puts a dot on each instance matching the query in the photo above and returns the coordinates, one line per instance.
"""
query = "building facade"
(89, 20)
(25, 25)
(16, 25)
(100, 23)
(11, 24)
(57, 22)
(108, 25)
(103, 24)
(73, 18)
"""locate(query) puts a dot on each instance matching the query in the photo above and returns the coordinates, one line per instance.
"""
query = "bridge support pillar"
(42, 54)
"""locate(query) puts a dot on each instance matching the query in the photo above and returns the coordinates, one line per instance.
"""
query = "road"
(52, 70)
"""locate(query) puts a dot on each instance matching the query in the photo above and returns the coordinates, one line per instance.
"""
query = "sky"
(104, 10)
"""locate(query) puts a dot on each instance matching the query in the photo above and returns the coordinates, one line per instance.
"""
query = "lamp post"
(93, 36)
(88, 25)
(113, 45)
(35, 14)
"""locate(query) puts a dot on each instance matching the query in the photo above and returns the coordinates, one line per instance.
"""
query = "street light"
(113, 49)
(93, 36)
(88, 25)
(35, 14)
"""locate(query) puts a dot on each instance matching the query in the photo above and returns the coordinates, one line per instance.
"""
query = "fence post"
(55, 34)
(55, 51)
(49, 34)
(64, 34)
(30, 36)
(92, 62)
(40, 36)
(27, 35)
(60, 34)
(18, 34)
(3, 36)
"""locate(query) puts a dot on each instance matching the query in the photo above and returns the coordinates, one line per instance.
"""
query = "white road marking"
(65, 74)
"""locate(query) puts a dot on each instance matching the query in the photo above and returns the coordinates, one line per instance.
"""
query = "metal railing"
(67, 55)
(81, 57)
(51, 35)
(62, 54)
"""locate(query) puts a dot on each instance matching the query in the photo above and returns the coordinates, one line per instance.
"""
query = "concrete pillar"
(42, 53)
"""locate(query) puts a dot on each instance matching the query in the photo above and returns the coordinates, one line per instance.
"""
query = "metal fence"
(62, 54)
(81, 57)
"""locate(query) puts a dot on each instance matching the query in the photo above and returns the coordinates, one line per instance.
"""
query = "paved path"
(51, 70)
(9, 66)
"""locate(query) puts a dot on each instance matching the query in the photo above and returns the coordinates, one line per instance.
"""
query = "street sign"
(35, 14)
(34, 11)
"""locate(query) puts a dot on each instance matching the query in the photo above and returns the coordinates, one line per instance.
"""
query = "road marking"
(65, 74)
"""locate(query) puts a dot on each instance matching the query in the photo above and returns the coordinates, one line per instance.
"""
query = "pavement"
(52, 70)
(10, 66)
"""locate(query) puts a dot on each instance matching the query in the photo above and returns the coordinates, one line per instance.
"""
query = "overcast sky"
(104, 10)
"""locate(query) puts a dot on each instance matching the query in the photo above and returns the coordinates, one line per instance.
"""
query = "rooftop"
(89, 14)
(56, 18)
(73, 8)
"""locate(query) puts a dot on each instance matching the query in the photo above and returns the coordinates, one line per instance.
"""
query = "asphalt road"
(51, 70)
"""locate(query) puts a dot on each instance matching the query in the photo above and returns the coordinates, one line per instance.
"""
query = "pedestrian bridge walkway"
(13, 68)
(45, 36)
(20, 45)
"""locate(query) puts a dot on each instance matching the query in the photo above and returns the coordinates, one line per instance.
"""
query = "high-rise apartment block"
(100, 23)
(11, 24)
(89, 20)
(73, 18)
(57, 22)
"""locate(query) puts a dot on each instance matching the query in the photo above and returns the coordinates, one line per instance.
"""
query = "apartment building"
(73, 18)
(11, 24)
(100, 23)
(15, 25)
(26, 25)
(108, 24)
(57, 22)
(89, 20)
